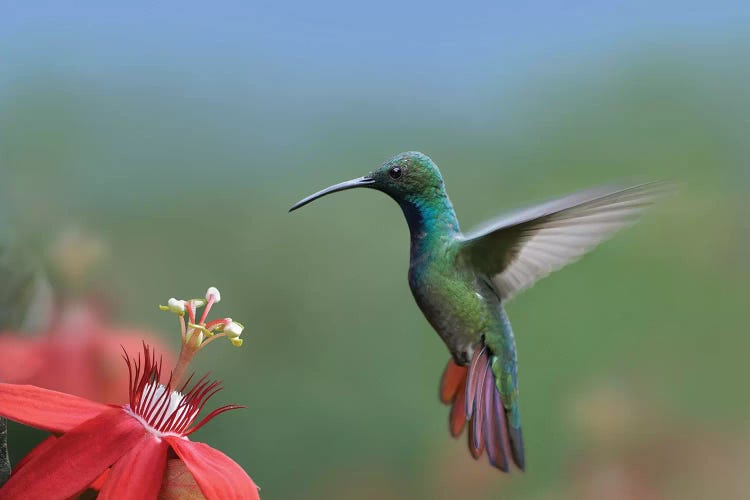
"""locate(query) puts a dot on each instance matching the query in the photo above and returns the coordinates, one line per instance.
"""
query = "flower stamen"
(197, 334)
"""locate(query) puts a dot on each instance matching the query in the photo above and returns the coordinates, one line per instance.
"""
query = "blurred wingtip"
(661, 187)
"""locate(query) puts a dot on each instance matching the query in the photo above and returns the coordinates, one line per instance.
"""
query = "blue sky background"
(279, 79)
(320, 48)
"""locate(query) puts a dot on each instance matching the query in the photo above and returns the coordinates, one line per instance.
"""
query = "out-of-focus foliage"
(632, 362)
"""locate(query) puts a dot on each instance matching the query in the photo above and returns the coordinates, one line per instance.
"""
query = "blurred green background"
(180, 135)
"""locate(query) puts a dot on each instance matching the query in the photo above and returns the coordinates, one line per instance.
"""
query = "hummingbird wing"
(519, 249)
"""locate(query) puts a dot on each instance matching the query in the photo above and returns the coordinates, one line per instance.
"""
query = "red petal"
(43, 447)
(44, 409)
(76, 459)
(139, 473)
(99, 481)
(217, 475)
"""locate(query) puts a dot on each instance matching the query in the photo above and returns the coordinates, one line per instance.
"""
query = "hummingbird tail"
(475, 397)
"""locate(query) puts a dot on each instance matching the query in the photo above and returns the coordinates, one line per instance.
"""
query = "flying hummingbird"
(461, 283)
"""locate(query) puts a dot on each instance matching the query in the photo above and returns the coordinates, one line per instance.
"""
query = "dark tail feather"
(477, 405)
(474, 377)
(516, 444)
(498, 447)
(476, 451)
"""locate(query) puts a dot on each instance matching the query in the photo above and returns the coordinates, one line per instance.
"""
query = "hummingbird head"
(407, 177)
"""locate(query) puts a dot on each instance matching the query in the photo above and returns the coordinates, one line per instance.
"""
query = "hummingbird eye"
(395, 172)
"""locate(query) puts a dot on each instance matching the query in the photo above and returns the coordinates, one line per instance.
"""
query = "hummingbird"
(462, 282)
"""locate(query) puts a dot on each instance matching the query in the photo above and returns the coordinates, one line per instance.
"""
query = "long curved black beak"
(354, 183)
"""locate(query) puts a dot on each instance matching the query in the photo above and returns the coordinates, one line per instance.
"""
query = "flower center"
(163, 410)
